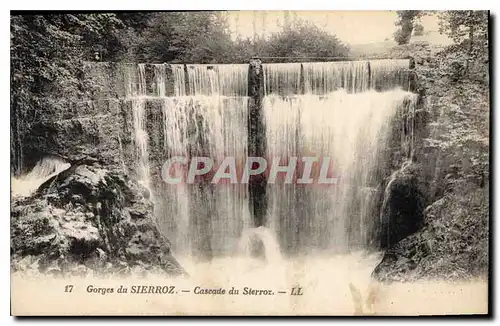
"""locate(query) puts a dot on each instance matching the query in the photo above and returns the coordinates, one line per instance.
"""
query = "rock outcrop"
(452, 245)
(403, 206)
(88, 219)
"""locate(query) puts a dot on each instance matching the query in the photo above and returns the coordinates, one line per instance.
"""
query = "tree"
(204, 37)
(467, 28)
(406, 21)
(201, 37)
(469, 31)
(303, 39)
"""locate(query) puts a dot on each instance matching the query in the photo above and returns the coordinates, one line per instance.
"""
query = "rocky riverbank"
(88, 220)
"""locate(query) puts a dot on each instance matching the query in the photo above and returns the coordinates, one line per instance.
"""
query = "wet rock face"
(403, 207)
(452, 245)
(89, 218)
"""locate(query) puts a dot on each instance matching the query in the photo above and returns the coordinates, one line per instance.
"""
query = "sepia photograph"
(250, 163)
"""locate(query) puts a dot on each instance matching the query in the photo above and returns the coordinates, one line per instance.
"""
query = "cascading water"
(282, 78)
(179, 77)
(258, 241)
(206, 116)
(136, 92)
(384, 74)
(327, 110)
(340, 117)
(160, 74)
(44, 169)
(325, 77)
(343, 111)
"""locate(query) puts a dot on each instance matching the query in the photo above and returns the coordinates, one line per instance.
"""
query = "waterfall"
(179, 80)
(340, 117)
(282, 78)
(160, 72)
(206, 116)
(261, 238)
(323, 78)
(222, 80)
(384, 74)
(340, 112)
(136, 92)
(44, 169)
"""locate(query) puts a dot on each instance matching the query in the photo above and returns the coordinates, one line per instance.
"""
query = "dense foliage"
(469, 54)
(204, 37)
(184, 36)
(301, 39)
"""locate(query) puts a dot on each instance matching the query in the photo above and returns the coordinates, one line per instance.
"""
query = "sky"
(351, 27)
